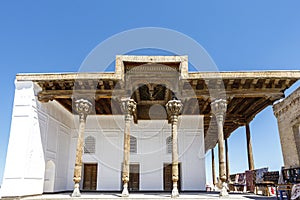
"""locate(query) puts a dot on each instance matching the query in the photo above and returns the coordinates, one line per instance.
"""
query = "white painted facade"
(42, 147)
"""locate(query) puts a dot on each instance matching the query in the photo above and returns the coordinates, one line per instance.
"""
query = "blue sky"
(56, 36)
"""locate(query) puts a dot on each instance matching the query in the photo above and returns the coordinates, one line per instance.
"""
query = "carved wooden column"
(83, 108)
(218, 108)
(174, 108)
(128, 107)
(249, 148)
(213, 170)
(227, 160)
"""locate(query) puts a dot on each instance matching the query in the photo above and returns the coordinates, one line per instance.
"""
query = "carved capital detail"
(128, 107)
(83, 107)
(174, 108)
(219, 107)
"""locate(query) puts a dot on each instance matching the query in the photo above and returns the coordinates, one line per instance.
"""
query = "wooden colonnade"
(174, 108)
(249, 156)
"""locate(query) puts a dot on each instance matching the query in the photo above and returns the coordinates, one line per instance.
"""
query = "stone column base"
(223, 191)
(76, 191)
(125, 192)
(175, 192)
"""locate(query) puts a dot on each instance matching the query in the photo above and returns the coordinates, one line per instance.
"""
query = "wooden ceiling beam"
(254, 105)
(65, 94)
(251, 93)
(240, 106)
(259, 108)
(232, 104)
(204, 107)
(105, 105)
(242, 83)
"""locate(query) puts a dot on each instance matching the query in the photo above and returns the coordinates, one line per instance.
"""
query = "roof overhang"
(153, 80)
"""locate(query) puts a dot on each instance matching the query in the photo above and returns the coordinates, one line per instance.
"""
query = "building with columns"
(287, 113)
(145, 127)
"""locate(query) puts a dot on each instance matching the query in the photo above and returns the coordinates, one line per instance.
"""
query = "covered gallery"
(146, 126)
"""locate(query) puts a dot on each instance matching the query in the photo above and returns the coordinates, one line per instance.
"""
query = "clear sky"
(56, 36)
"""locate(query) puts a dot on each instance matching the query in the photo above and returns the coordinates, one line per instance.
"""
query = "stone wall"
(287, 113)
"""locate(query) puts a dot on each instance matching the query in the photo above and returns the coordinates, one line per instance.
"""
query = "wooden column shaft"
(79, 150)
(83, 108)
(174, 108)
(221, 148)
(218, 108)
(175, 177)
(126, 152)
(128, 107)
(213, 167)
(227, 160)
(249, 148)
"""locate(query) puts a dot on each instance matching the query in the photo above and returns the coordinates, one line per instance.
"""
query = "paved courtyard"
(146, 196)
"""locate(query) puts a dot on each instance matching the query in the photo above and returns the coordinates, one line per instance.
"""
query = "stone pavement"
(146, 196)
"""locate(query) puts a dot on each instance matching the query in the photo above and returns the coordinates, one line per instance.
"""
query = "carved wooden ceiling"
(247, 94)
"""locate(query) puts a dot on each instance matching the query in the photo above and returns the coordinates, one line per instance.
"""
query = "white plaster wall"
(25, 166)
(42, 148)
(56, 128)
(192, 153)
(151, 154)
(40, 133)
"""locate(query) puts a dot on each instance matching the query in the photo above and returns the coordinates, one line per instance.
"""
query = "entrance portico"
(152, 82)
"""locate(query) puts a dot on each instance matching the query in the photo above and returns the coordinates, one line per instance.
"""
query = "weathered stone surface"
(287, 113)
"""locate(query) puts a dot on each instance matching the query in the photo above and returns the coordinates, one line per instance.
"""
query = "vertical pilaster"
(213, 170)
(174, 108)
(83, 108)
(249, 148)
(218, 108)
(128, 107)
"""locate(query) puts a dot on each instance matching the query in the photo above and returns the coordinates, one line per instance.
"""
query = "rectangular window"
(169, 144)
(133, 145)
(89, 145)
